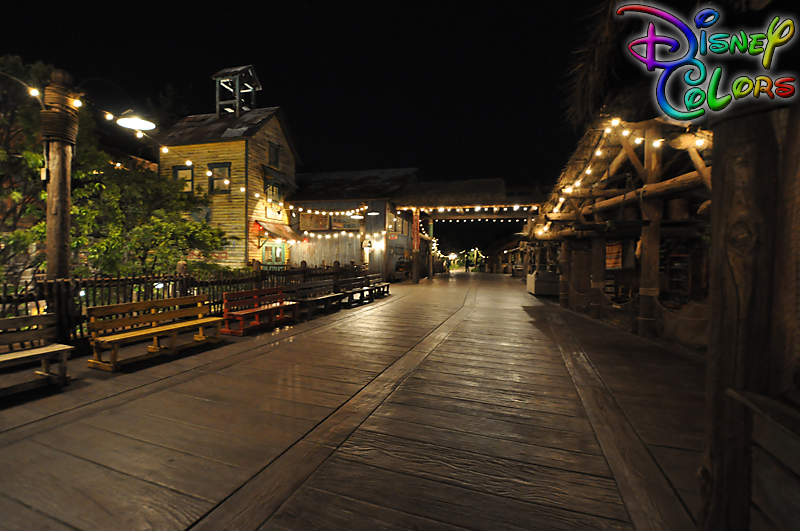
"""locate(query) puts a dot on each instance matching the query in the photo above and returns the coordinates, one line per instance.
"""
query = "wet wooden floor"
(450, 405)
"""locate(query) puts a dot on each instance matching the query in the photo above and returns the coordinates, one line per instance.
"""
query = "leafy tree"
(22, 192)
(126, 219)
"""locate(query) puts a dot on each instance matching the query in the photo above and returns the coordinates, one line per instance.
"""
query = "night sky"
(461, 90)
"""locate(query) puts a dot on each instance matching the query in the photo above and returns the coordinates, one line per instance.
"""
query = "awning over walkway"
(276, 230)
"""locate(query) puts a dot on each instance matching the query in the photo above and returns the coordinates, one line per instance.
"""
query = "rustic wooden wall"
(227, 210)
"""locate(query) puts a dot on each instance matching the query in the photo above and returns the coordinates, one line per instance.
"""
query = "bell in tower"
(236, 90)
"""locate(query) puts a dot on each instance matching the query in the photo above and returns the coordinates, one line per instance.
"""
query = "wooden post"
(598, 276)
(59, 130)
(552, 258)
(430, 259)
(526, 261)
(566, 257)
(541, 258)
(744, 195)
(651, 238)
(415, 246)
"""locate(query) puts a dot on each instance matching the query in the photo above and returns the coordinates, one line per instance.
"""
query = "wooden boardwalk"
(450, 405)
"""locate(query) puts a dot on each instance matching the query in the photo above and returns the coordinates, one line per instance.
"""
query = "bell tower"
(236, 90)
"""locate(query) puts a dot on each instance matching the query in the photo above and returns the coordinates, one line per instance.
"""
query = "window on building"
(187, 174)
(274, 155)
(219, 180)
(273, 191)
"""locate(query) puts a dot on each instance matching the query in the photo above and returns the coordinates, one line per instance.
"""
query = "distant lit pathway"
(446, 406)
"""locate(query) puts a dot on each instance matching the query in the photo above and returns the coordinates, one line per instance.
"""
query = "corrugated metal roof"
(207, 127)
(367, 184)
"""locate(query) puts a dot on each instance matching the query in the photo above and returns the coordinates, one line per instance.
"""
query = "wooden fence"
(68, 298)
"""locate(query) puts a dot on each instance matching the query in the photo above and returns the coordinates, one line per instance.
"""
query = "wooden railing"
(68, 298)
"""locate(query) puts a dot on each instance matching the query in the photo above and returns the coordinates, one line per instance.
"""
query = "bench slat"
(123, 322)
(32, 354)
(129, 307)
(24, 336)
(15, 323)
(142, 333)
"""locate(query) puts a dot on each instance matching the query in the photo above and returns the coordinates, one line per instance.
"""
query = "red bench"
(256, 308)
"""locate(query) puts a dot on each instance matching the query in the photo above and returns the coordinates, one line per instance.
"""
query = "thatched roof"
(453, 193)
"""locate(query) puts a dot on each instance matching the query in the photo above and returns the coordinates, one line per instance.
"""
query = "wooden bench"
(256, 308)
(317, 294)
(352, 287)
(378, 286)
(28, 339)
(117, 324)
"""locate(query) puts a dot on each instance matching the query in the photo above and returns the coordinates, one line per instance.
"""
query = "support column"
(598, 276)
(541, 258)
(526, 260)
(566, 257)
(415, 246)
(552, 258)
(59, 130)
(742, 255)
(652, 210)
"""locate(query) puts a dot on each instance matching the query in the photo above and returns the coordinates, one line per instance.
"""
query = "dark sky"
(461, 90)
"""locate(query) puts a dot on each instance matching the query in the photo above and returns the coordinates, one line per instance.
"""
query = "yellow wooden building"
(245, 159)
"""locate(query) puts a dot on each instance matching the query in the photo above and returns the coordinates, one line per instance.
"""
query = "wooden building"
(741, 170)
(351, 217)
(245, 159)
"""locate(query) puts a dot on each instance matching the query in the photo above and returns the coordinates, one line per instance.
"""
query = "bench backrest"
(352, 283)
(147, 313)
(28, 331)
(314, 289)
(254, 298)
(375, 278)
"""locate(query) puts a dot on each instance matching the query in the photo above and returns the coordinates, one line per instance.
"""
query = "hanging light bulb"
(188, 162)
(165, 149)
(34, 92)
(626, 132)
(109, 116)
(615, 122)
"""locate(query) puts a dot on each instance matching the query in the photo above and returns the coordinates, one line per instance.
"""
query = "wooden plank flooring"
(446, 406)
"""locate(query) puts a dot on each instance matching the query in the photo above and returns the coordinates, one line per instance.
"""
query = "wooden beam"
(562, 216)
(700, 166)
(631, 154)
(648, 191)
(577, 208)
(652, 210)
(615, 165)
(594, 193)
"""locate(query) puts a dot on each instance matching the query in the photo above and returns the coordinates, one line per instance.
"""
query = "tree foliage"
(126, 219)
(22, 192)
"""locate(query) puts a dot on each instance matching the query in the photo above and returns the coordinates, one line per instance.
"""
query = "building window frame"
(176, 174)
(215, 168)
(274, 154)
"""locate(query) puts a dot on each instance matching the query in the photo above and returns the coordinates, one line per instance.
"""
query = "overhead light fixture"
(356, 216)
(373, 213)
(128, 120)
